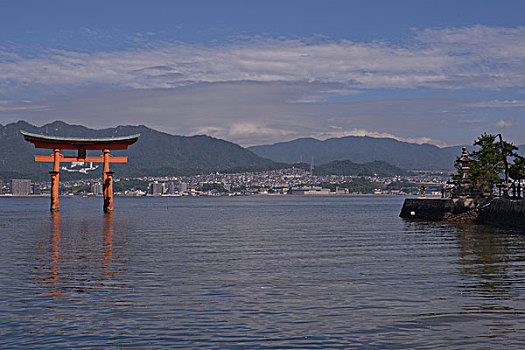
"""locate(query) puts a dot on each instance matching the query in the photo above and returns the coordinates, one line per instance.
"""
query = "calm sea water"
(252, 273)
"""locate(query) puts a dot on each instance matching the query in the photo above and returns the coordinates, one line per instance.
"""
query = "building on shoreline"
(20, 187)
(35, 189)
(309, 190)
(156, 189)
(96, 188)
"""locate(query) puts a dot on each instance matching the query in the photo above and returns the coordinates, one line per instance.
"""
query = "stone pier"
(430, 209)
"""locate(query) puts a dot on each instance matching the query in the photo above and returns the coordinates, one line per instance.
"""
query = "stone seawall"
(431, 209)
(503, 212)
(496, 211)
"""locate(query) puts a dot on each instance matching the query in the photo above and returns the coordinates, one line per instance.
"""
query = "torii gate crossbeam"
(82, 145)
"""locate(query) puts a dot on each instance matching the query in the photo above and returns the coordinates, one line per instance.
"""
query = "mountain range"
(361, 149)
(157, 153)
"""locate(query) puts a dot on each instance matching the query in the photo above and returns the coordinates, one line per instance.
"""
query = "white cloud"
(473, 57)
(509, 122)
(20, 105)
(244, 132)
(498, 104)
(501, 124)
(376, 134)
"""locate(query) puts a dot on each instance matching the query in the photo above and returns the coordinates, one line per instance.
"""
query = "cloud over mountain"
(264, 90)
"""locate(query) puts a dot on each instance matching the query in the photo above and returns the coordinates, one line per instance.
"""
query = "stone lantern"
(464, 160)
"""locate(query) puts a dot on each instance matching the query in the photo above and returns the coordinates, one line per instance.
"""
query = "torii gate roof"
(52, 142)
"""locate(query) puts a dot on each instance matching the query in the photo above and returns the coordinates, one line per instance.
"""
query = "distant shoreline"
(253, 195)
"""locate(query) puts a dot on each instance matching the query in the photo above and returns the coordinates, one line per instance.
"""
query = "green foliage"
(358, 185)
(488, 160)
(517, 170)
(256, 168)
(122, 185)
(404, 186)
(77, 189)
(212, 186)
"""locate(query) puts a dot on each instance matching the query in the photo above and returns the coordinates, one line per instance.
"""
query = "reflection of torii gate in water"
(82, 145)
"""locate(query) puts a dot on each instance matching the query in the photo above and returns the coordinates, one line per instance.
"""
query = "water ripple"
(254, 273)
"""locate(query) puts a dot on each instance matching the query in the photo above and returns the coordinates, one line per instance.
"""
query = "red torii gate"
(82, 145)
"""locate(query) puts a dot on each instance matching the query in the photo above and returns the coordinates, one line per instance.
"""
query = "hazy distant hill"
(155, 153)
(347, 167)
(337, 167)
(361, 149)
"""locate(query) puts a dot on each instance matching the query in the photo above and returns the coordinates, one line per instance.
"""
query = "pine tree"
(488, 161)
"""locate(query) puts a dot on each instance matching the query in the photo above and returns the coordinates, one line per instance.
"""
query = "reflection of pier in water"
(492, 277)
(73, 265)
(488, 256)
(488, 259)
(481, 284)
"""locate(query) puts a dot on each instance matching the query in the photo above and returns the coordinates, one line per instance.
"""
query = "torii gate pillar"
(55, 203)
(107, 183)
(108, 191)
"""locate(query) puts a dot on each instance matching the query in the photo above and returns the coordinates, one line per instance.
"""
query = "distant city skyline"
(441, 72)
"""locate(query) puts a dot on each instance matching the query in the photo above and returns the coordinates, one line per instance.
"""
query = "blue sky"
(256, 72)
